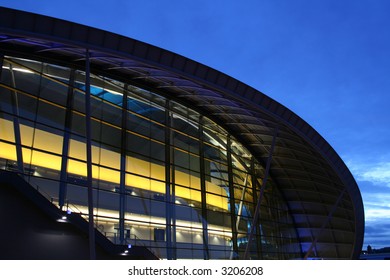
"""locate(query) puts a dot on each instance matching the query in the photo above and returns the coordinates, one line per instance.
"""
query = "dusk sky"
(326, 60)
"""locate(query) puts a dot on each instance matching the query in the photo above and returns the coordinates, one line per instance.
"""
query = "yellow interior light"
(52, 143)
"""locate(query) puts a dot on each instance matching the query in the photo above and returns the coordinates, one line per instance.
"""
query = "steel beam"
(16, 115)
(257, 210)
(92, 252)
(66, 141)
(168, 182)
(327, 220)
(233, 219)
(206, 254)
(122, 186)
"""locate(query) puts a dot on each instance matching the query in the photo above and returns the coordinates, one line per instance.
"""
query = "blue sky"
(327, 60)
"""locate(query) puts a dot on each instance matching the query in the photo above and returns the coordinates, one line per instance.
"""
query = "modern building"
(159, 151)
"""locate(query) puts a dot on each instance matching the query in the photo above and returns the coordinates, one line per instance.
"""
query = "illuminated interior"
(146, 147)
(51, 142)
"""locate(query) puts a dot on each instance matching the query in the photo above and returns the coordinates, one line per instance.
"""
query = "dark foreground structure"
(110, 148)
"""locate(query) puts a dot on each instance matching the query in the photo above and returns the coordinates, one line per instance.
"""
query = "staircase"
(68, 221)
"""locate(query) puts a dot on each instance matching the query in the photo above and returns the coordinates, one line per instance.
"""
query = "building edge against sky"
(175, 155)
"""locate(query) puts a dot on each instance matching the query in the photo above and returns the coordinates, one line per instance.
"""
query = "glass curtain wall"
(164, 176)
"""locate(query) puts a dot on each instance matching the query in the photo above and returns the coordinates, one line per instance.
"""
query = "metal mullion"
(258, 204)
(168, 181)
(327, 220)
(218, 147)
(173, 184)
(92, 251)
(122, 191)
(185, 151)
(234, 253)
(254, 200)
(17, 135)
(142, 117)
(66, 141)
(31, 95)
(241, 201)
(36, 72)
(318, 164)
(206, 254)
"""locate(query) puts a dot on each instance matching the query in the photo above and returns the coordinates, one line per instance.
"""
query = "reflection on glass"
(158, 156)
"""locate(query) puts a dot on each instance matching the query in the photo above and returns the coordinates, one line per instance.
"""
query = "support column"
(206, 254)
(92, 252)
(15, 111)
(257, 211)
(122, 188)
(169, 197)
(173, 192)
(232, 203)
(327, 220)
(257, 232)
(65, 144)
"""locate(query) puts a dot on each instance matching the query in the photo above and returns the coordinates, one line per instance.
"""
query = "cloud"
(377, 217)
(375, 214)
(377, 234)
(377, 173)
(376, 206)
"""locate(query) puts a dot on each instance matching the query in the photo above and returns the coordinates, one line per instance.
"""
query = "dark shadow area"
(33, 228)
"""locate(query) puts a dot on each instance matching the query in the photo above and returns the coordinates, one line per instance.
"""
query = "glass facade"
(163, 175)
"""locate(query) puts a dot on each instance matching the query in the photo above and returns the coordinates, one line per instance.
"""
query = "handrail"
(74, 209)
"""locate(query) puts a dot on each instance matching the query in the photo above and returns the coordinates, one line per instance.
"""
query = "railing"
(130, 239)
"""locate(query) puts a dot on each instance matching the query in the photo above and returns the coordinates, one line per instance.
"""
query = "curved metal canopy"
(322, 195)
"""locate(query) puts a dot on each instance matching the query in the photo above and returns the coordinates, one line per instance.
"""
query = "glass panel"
(78, 124)
(25, 80)
(78, 100)
(184, 142)
(111, 136)
(185, 126)
(77, 149)
(53, 91)
(106, 174)
(42, 126)
(27, 134)
(5, 77)
(7, 130)
(27, 106)
(48, 188)
(8, 152)
(138, 125)
(214, 153)
(111, 114)
(48, 139)
(107, 157)
(42, 159)
(6, 100)
(77, 198)
(51, 115)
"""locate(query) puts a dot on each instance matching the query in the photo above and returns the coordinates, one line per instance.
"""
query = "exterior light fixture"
(63, 219)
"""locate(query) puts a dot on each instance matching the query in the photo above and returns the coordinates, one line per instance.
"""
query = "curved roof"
(320, 191)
